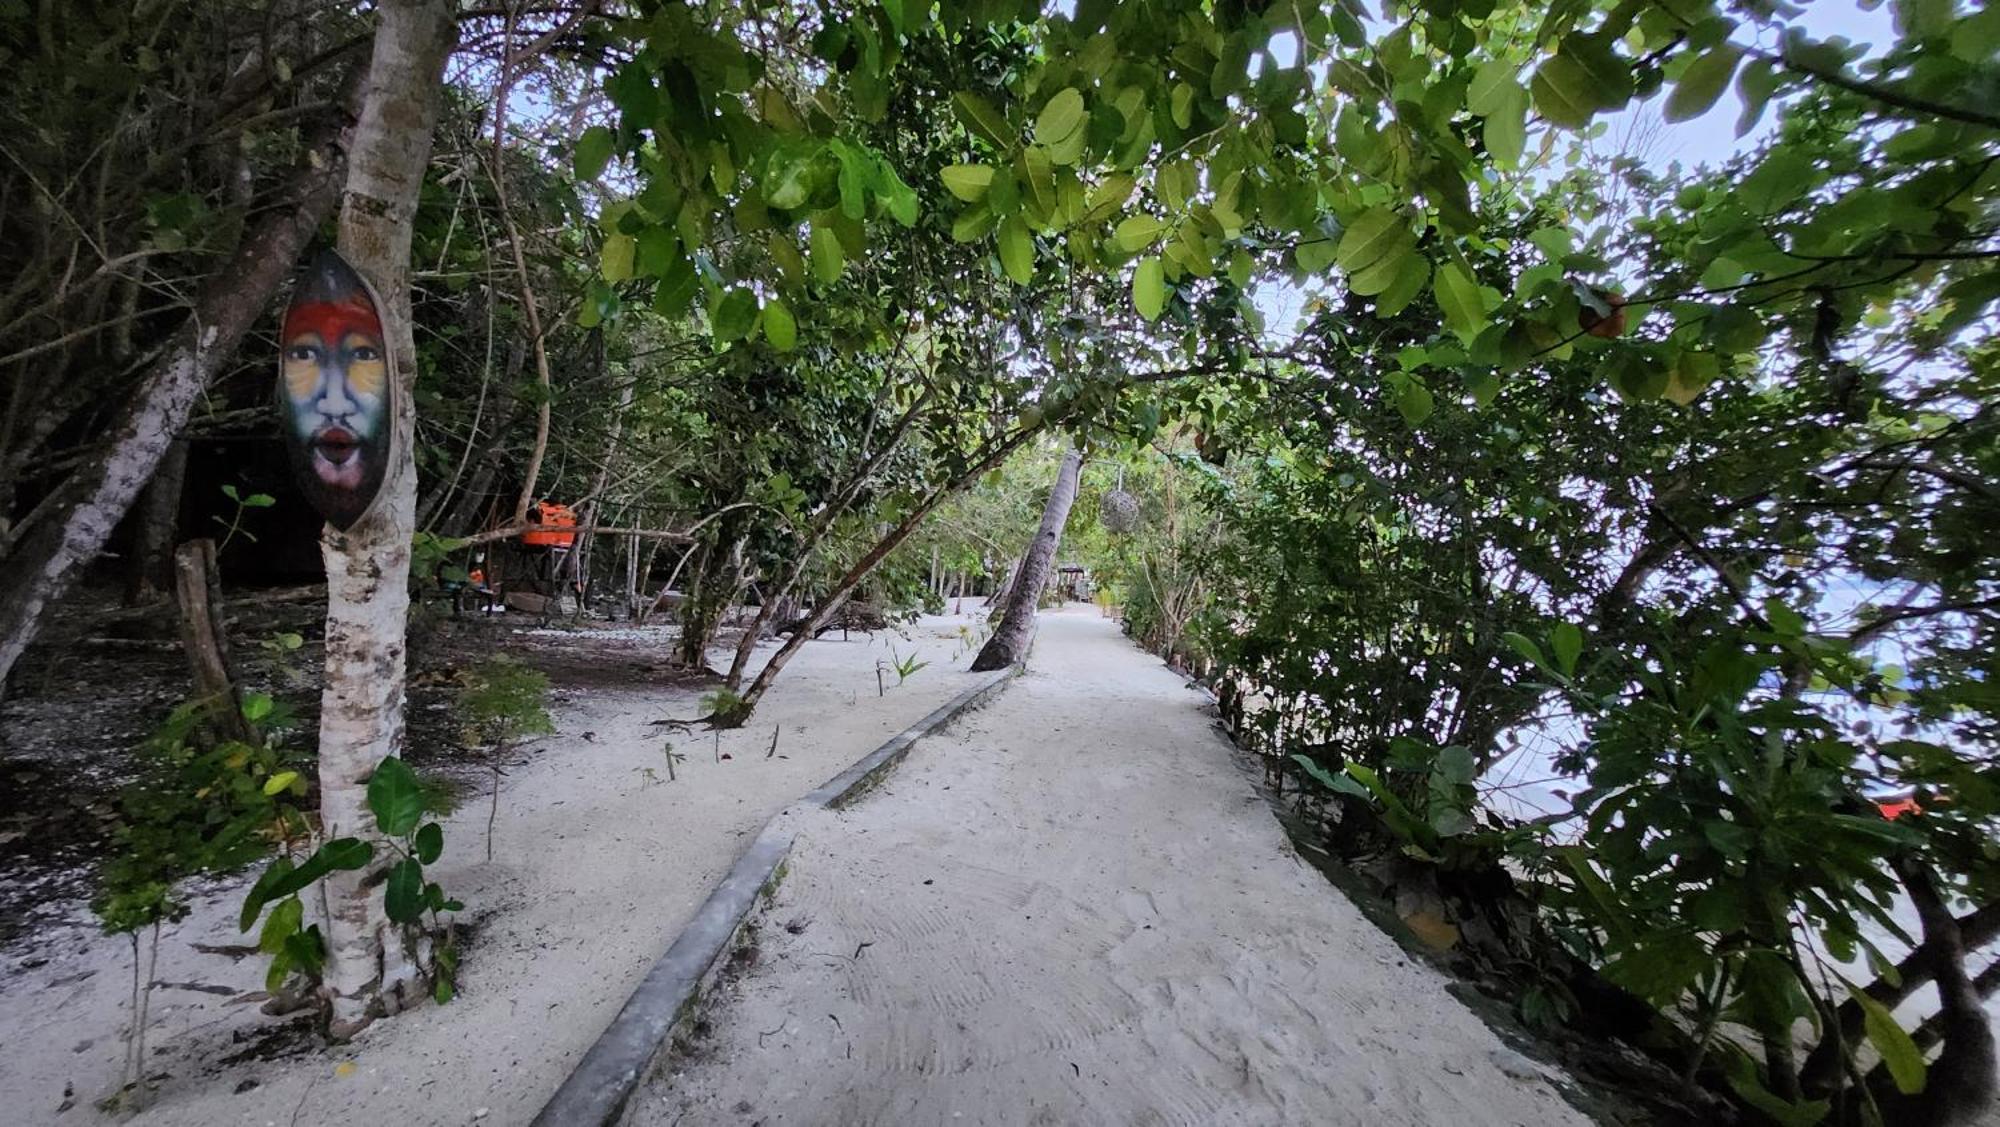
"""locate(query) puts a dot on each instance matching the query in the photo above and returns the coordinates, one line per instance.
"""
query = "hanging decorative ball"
(1118, 511)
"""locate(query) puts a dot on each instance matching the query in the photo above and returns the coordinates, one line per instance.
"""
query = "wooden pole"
(198, 590)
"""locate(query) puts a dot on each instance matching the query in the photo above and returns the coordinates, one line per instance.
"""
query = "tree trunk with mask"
(371, 970)
(1009, 643)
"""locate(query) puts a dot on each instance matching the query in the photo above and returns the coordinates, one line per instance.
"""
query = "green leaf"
(659, 251)
(1372, 249)
(1109, 195)
(1456, 765)
(429, 843)
(1969, 296)
(346, 854)
(1703, 82)
(735, 315)
(1493, 88)
(1461, 299)
(794, 174)
(1690, 375)
(1506, 128)
(1240, 267)
(1412, 274)
(1899, 1051)
(1374, 233)
(282, 879)
(1342, 783)
(277, 783)
(1639, 378)
(1583, 78)
(1414, 401)
(985, 122)
(395, 797)
(1754, 87)
(282, 925)
(593, 152)
(1017, 250)
(1149, 288)
(968, 181)
(1525, 646)
(1661, 967)
(1061, 118)
(1781, 1111)
(260, 893)
(973, 224)
(1181, 105)
(616, 257)
(780, 328)
(1566, 642)
(403, 894)
(1137, 232)
(828, 259)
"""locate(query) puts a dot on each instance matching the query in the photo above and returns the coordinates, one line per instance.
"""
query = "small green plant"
(905, 667)
(279, 647)
(502, 701)
(401, 803)
(200, 806)
(721, 702)
(233, 527)
(673, 757)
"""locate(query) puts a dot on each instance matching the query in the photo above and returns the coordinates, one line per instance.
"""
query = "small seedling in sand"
(721, 702)
(647, 777)
(673, 757)
(503, 701)
(905, 667)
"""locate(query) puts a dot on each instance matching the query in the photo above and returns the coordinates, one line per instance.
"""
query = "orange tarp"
(548, 512)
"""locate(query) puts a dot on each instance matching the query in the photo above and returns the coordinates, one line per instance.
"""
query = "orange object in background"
(1897, 807)
(548, 512)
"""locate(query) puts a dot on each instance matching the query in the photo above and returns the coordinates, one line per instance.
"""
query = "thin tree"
(370, 971)
(1009, 643)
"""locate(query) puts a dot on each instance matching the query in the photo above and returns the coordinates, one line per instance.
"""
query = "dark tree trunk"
(103, 488)
(718, 579)
(199, 593)
(1959, 1086)
(1009, 643)
(159, 518)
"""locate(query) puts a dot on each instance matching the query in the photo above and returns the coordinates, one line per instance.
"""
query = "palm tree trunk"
(1009, 643)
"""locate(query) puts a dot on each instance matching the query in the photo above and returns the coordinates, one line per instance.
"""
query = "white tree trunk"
(370, 969)
(1009, 642)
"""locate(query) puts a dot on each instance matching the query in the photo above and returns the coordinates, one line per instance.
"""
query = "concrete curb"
(597, 1088)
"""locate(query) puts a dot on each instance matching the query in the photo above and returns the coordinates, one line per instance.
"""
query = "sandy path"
(596, 869)
(1077, 910)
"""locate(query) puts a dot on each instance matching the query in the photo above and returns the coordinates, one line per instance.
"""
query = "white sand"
(596, 869)
(1077, 910)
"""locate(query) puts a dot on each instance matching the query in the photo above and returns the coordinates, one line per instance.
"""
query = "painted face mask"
(337, 389)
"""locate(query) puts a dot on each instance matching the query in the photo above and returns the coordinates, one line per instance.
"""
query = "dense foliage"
(1677, 484)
